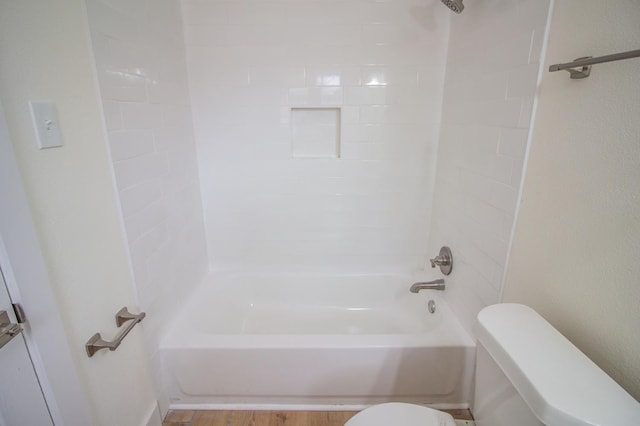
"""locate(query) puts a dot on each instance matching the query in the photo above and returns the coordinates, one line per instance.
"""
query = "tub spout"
(429, 285)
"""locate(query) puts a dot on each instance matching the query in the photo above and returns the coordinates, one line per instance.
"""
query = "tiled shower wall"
(140, 59)
(364, 207)
(492, 71)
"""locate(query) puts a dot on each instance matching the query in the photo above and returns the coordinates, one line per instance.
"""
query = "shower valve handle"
(440, 261)
(444, 260)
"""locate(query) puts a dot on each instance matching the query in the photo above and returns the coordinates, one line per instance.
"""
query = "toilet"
(527, 374)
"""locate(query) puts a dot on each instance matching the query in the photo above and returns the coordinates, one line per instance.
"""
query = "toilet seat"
(400, 414)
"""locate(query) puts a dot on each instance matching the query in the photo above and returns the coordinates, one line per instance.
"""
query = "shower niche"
(315, 132)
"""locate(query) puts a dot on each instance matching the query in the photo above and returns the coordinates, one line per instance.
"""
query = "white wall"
(45, 54)
(140, 60)
(492, 69)
(575, 251)
(382, 63)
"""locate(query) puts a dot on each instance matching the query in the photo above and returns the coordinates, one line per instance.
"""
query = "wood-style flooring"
(270, 418)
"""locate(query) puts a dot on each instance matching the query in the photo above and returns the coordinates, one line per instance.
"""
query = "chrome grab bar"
(96, 342)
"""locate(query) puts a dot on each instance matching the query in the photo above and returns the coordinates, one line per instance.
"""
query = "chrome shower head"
(455, 5)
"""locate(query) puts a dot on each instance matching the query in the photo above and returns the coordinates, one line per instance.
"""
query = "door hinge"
(20, 316)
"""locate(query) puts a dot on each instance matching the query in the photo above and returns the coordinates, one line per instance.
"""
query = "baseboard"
(153, 418)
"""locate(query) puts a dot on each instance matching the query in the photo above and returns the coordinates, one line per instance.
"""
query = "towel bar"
(585, 63)
(96, 342)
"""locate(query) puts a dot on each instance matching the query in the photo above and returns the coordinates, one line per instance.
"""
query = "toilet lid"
(400, 414)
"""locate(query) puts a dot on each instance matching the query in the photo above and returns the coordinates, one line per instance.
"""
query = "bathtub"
(256, 341)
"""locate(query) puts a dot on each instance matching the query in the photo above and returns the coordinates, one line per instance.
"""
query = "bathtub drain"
(431, 306)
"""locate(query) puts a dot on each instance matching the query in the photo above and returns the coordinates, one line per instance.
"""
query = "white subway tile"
(130, 143)
(277, 76)
(504, 197)
(107, 21)
(480, 263)
(398, 114)
(172, 138)
(178, 180)
(315, 55)
(203, 12)
(526, 111)
(350, 114)
(476, 185)
(133, 9)
(205, 71)
(537, 41)
(487, 291)
(532, 14)
(121, 86)
(139, 223)
(266, 114)
(159, 268)
(138, 115)
(177, 116)
(389, 75)
(487, 216)
(323, 35)
(366, 96)
(137, 170)
(512, 52)
(522, 81)
(332, 76)
(256, 13)
(516, 174)
(112, 117)
(147, 244)
(129, 58)
(316, 96)
(135, 198)
(386, 12)
(392, 34)
(513, 142)
(500, 168)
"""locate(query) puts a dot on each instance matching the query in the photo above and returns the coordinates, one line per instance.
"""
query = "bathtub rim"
(448, 331)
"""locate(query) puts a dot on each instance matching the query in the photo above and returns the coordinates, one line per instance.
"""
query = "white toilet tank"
(528, 374)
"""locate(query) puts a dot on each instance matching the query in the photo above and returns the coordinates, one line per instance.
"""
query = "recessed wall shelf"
(585, 63)
(315, 132)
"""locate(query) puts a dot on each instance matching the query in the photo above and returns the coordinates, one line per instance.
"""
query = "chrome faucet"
(428, 285)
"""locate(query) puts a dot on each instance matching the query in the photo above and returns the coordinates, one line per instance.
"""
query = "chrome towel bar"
(96, 342)
(585, 63)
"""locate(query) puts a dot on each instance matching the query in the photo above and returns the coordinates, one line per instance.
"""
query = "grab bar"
(96, 342)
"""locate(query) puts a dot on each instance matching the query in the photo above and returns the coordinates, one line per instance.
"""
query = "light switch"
(45, 123)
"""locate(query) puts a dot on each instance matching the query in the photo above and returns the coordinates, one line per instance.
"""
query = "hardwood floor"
(270, 418)
(257, 418)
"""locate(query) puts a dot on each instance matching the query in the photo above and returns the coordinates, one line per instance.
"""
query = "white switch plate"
(45, 123)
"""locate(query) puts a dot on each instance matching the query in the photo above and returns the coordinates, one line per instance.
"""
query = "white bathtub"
(315, 341)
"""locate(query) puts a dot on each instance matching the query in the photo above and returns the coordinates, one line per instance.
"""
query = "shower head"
(455, 5)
